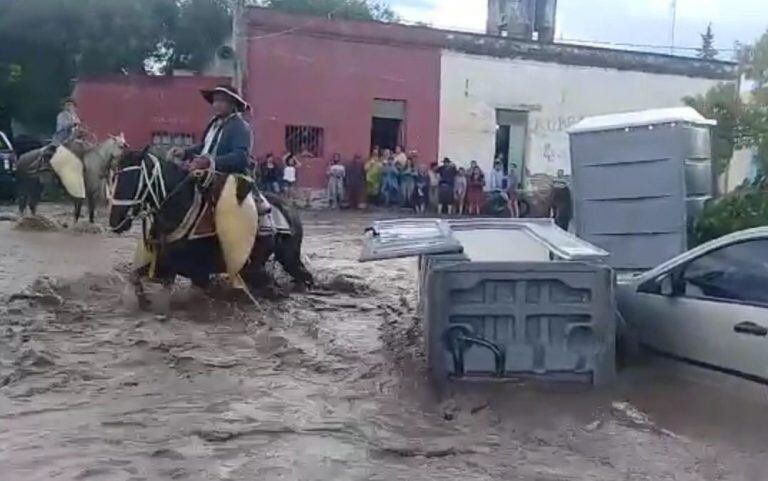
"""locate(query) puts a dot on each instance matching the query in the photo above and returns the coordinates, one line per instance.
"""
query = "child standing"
(289, 174)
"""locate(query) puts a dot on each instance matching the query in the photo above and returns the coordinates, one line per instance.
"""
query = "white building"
(522, 104)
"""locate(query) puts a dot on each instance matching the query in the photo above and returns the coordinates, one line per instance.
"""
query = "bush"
(742, 209)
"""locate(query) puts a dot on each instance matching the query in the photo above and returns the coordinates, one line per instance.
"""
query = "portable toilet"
(507, 298)
(639, 181)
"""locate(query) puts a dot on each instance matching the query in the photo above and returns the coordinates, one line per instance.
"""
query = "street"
(325, 385)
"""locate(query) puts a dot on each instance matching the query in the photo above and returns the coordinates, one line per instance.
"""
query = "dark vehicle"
(7, 169)
(26, 143)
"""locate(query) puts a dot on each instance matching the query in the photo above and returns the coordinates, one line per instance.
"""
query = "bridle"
(150, 194)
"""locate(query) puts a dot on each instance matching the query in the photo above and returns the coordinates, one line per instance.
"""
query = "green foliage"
(52, 42)
(745, 208)
(708, 50)
(200, 29)
(721, 103)
(346, 9)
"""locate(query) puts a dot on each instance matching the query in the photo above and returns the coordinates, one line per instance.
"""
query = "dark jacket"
(233, 148)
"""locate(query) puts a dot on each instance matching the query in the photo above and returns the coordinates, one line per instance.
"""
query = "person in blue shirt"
(226, 144)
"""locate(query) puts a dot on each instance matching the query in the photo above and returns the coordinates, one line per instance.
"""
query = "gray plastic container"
(508, 298)
(639, 182)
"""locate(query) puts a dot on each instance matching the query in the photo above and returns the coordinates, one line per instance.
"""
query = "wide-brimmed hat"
(240, 104)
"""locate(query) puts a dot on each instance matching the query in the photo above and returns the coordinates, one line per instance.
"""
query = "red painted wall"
(141, 105)
(331, 81)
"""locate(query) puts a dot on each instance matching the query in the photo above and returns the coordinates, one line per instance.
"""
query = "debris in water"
(36, 223)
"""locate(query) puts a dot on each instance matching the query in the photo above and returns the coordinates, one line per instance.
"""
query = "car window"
(738, 272)
(4, 143)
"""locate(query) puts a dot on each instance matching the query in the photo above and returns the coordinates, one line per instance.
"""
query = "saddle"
(199, 220)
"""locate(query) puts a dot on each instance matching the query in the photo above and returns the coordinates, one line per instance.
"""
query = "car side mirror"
(669, 284)
(666, 285)
(672, 284)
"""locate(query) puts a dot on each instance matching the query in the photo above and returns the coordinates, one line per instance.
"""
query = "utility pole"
(238, 43)
(674, 27)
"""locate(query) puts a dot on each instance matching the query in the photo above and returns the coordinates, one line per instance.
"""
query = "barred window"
(172, 139)
(300, 139)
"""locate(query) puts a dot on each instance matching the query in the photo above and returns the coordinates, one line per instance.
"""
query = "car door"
(715, 311)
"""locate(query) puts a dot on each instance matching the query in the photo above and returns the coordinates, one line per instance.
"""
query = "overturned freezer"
(507, 298)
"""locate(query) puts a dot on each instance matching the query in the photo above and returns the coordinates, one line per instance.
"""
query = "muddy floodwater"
(324, 385)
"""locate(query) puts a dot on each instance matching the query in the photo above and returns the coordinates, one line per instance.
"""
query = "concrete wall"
(556, 95)
(332, 82)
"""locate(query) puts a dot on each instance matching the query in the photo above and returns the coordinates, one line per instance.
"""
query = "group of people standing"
(396, 178)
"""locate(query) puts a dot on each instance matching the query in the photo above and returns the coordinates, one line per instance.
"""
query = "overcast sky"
(616, 21)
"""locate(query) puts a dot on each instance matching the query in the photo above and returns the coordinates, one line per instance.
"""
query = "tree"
(346, 9)
(200, 29)
(723, 104)
(52, 42)
(708, 50)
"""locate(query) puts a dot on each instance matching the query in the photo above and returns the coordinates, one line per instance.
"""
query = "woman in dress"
(475, 194)
(373, 176)
(460, 190)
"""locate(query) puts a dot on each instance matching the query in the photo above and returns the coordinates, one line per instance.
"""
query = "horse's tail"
(288, 248)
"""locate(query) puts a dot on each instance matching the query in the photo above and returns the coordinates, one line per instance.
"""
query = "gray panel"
(389, 109)
(552, 320)
(633, 251)
(408, 237)
(698, 142)
(631, 216)
(698, 177)
(630, 183)
(626, 180)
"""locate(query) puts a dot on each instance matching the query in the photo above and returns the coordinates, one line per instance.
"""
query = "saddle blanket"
(198, 223)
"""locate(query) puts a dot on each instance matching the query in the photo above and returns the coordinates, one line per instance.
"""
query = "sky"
(639, 22)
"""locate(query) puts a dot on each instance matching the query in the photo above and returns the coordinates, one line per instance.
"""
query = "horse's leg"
(255, 273)
(78, 209)
(35, 192)
(164, 302)
(288, 254)
(22, 188)
(138, 288)
(91, 207)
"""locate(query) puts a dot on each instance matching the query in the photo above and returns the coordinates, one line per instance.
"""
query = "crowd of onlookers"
(398, 179)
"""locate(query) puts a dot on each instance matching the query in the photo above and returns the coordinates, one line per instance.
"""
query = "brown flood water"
(321, 386)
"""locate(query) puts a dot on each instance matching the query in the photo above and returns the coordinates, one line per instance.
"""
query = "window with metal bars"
(304, 139)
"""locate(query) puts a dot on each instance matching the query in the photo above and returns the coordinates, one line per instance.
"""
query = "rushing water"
(327, 385)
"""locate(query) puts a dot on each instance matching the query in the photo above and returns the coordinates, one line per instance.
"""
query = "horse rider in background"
(67, 124)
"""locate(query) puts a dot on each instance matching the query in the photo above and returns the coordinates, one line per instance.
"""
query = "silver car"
(708, 305)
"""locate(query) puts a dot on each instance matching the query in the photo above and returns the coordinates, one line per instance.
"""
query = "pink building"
(162, 111)
(339, 87)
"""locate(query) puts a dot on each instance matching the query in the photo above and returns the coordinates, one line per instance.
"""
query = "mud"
(324, 385)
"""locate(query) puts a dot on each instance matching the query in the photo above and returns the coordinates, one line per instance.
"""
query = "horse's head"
(130, 188)
(115, 147)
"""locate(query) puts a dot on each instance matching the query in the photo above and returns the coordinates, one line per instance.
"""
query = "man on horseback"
(226, 142)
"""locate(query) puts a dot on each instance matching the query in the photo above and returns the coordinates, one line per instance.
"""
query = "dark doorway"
(502, 145)
(511, 134)
(387, 124)
(385, 133)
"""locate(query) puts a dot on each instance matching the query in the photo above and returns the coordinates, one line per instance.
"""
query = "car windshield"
(4, 143)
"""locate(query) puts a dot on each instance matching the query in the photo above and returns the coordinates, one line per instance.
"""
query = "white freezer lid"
(641, 118)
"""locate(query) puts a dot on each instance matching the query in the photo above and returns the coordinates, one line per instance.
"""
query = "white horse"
(97, 163)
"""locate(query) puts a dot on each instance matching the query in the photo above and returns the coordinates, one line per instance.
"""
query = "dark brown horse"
(165, 192)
